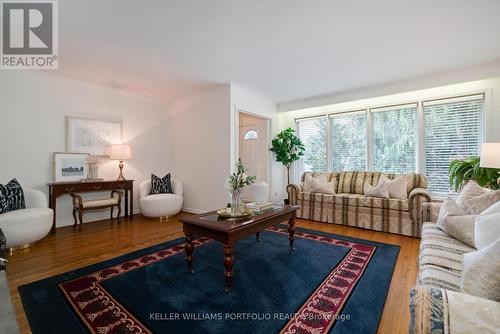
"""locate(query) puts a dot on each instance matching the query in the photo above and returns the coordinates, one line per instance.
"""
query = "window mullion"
(369, 139)
(420, 131)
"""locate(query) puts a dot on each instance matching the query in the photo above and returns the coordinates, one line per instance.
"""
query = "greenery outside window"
(394, 139)
(348, 141)
(312, 133)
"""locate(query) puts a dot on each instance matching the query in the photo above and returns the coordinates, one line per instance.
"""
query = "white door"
(249, 148)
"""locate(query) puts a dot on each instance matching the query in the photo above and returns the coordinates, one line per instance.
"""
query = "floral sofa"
(349, 206)
(437, 304)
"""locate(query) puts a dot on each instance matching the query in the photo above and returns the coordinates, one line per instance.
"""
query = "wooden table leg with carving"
(291, 232)
(228, 264)
(188, 247)
(257, 235)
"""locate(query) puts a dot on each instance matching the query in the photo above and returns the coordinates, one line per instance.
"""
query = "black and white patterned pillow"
(161, 185)
(11, 197)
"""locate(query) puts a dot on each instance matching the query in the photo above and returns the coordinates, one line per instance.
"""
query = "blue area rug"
(330, 284)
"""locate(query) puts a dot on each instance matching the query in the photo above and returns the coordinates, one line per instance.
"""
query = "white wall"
(33, 108)
(200, 147)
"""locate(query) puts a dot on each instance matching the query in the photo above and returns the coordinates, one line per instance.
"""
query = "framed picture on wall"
(92, 136)
(71, 166)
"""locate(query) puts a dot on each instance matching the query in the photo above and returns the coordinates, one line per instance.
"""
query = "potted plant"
(463, 170)
(288, 148)
(235, 184)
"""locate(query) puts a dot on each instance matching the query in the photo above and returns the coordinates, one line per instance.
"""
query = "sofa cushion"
(316, 197)
(413, 180)
(349, 199)
(353, 182)
(386, 203)
(436, 276)
(439, 249)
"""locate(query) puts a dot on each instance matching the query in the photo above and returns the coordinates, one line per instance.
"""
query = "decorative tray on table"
(226, 213)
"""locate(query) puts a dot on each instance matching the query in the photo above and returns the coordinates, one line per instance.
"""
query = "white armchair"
(160, 205)
(22, 227)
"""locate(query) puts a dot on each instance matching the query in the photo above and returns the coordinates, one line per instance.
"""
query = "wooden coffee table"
(228, 232)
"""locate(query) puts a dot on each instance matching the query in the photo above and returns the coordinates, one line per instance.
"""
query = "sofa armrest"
(430, 211)
(293, 191)
(416, 198)
(435, 310)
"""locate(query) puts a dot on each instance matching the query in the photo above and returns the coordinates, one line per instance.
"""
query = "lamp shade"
(490, 155)
(120, 152)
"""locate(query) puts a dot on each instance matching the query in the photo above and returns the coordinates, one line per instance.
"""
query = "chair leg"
(80, 215)
(119, 213)
(112, 209)
(74, 216)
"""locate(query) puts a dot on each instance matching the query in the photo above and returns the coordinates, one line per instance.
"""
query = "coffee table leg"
(257, 235)
(228, 264)
(188, 247)
(291, 232)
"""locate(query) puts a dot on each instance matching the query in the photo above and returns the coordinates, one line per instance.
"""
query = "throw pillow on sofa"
(397, 187)
(475, 199)
(11, 197)
(487, 227)
(380, 190)
(454, 220)
(312, 185)
(480, 274)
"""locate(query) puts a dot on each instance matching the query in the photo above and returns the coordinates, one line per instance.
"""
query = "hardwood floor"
(99, 241)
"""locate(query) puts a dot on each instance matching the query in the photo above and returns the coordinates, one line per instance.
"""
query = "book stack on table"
(259, 208)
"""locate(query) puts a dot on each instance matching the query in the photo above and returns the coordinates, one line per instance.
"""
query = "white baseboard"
(190, 210)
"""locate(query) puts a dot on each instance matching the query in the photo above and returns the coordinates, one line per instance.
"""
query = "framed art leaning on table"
(70, 166)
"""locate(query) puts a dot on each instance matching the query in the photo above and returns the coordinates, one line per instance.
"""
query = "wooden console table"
(57, 189)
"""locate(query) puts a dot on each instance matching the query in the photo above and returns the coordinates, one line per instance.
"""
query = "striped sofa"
(437, 305)
(349, 206)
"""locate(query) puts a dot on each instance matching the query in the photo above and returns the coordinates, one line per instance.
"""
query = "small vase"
(236, 204)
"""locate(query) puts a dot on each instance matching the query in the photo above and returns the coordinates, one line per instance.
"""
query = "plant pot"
(287, 201)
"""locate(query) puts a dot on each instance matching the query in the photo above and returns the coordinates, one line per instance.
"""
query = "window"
(348, 141)
(394, 139)
(423, 137)
(312, 133)
(250, 134)
(453, 129)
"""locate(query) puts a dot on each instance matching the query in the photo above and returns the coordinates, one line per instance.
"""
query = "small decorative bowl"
(226, 213)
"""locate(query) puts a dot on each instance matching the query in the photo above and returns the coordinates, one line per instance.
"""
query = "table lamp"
(490, 156)
(120, 152)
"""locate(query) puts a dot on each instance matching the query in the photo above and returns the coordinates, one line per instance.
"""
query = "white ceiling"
(286, 50)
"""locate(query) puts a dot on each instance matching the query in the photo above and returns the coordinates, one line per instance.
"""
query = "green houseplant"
(463, 170)
(235, 184)
(288, 148)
